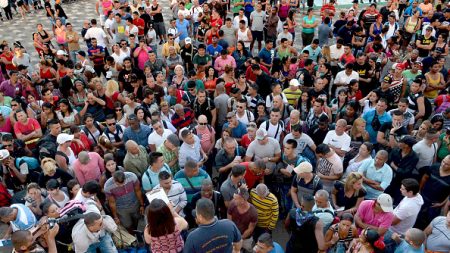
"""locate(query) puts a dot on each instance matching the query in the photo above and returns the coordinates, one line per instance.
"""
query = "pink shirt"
(205, 138)
(90, 171)
(368, 216)
(220, 63)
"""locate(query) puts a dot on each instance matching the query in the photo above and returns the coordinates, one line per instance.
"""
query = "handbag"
(122, 239)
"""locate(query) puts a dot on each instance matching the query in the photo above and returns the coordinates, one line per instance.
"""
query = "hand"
(205, 157)
(52, 232)
(335, 238)
(266, 159)
(395, 237)
(436, 205)
(117, 220)
(141, 210)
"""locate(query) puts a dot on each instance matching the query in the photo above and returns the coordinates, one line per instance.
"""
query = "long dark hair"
(66, 102)
(160, 219)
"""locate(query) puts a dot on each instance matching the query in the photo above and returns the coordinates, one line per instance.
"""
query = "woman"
(368, 242)
(411, 26)
(27, 129)
(163, 231)
(51, 171)
(120, 115)
(94, 107)
(67, 115)
(48, 113)
(228, 77)
(34, 106)
(242, 84)
(210, 81)
(73, 187)
(249, 136)
(92, 128)
(34, 199)
(60, 34)
(240, 55)
(64, 156)
(375, 28)
(143, 115)
(303, 104)
(364, 153)
(354, 93)
(370, 101)
(37, 43)
(46, 37)
(55, 194)
(111, 167)
(283, 10)
(339, 236)
(112, 95)
(420, 133)
(417, 103)
(79, 97)
(179, 79)
(441, 44)
(324, 72)
(350, 114)
(5, 124)
(397, 87)
(46, 71)
(309, 24)
(227, 132)
(166, 112)
(261, 113)
(347, 196)
(61, 70)
(130, 104)
(292, 24)
(339, 104)
(80, 140)
(437, 234)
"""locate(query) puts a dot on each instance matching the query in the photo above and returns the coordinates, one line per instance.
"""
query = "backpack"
(73, 207)
(117, 135)
(87, 132)
(445, 104)
(309, 154)
(280, 124)
(32, 162)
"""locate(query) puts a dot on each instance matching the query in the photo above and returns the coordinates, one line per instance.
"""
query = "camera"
(66, 218)
(52, 222)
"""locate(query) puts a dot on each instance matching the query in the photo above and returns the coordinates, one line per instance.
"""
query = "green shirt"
(168, 157)
(443, 149)
(236, 8)
(201, 60)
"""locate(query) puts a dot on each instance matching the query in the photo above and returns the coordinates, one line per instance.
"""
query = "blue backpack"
(32, 162)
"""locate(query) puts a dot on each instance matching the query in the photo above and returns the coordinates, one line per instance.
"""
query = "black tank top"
(157, 18)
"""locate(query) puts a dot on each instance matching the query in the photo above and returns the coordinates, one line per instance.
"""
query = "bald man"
(137, 159)
(338, 139)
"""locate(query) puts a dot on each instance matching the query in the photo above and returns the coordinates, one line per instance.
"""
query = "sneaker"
(161, 42)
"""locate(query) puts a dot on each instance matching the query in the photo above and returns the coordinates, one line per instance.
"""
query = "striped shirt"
(124, 194)
(169, 155)
(292, 95)
(193, 184)
(176, 195)
(267, 209)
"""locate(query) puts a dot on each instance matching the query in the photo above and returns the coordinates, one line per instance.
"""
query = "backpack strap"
(149, 178)
(315, 182)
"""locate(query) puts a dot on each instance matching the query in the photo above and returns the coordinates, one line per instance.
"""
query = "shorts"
(257, 35)
(160, 29)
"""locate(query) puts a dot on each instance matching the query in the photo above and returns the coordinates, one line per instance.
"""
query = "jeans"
(105, 245)
(390, 244)
(286, 199)
(73, 56)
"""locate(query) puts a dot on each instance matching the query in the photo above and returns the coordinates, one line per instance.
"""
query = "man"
(191, 178)
(187, 53)
(344, 77)
(97, 33)
(223, 61)
(221, 104)
(242, 114)
(183, 116)
(191, 149)
(425, 42)
(274, 126)
(238, 128)
(124, 195)
(266, 148)
(306, 229)
(170, 43)
(226, 158)
(384, 90)
(257, 19)
(244, 215)
(158, 136)
(338, 140)
(314, 50)
(408, 117)
(139, 23)
(201, 58)
(19, 217)
(254, 173)
(403, 162)
(362, 67)
(114, 132)
(158, 21)
(136, 131)
(174, 191)
(240, 17)
(25, 241)
(375, 118)
(118, 29)
(413, 241)
(207, 191)
(73, 44)
(391, 132)
(126, 78)
(203, 105)
(262, 80)
(265, 244)
(266, 205)
(272, 24)
(212, 233)
(169, 149)
(136, 159)
(88, 166)
(229, 32)
(253, 97)
(375, 214)
(156, 64)
(305, 182)
(329, 166)
(316, 113)
(150, 176)
(323, 209)
(377, 175)
(426, 149)
(97, 56)
(232, 184)
(267, 54)
(214, 49)
(93, 232)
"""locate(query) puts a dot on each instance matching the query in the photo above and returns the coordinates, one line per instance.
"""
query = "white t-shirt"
(133, 30)
(274, 131)
(98, 33)
(342, 141)
(302, 142)
(151, 34)
(237, 19)
(426, 153)
(246, 118)
(335, 52)
(156, 139)
(407, 212)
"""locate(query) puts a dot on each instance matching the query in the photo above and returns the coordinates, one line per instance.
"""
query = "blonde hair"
(48, 165)
(111, 87)
(356, 123)
(326, 53)
(352, 178)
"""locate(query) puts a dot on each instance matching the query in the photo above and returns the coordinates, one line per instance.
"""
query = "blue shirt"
(276, 248)
(266, 55)
(140, 136)
(238, 131)
(193, 184)
(149, 183)
(409, 11)
(368, 117)
(25, 218)
(183, 28)
(214, 51)
(382, 176)
(406, 247)
(216, 237)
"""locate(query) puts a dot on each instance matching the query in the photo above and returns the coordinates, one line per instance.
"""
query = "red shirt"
(9, 58)
(245, 141)
(249, 72)
(139, 22)
(250, 177)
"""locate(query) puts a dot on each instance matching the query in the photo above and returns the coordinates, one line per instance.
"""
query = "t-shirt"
(329, 166)
(425, 41)
(338, 141)
(257, 20)
(124, 195)
(437, 188)
(426, 153)
(29, 127)
(382, 175)
(438, 240)
(302, 142)
(259, 151)
(201, 60)
(242, 220)
(368, 216)
(150, 178)
(407, 212)
(25, 218)
(406, 247)
(250, 177)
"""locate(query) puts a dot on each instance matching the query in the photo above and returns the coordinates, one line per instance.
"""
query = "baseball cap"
(172, 138)
(303, 167)
(82, 53)
(408, 140)
(294, 82)
(4, 153)
(385, 202)
(251, 125)
(61, 52)
(188, 40)
(261, 134)
(63, 138)
(387, 79)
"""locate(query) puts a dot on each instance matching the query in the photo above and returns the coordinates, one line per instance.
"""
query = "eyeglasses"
(240, 107)
(203, 124)
(8, 145)
(118, 110)
(14, 105)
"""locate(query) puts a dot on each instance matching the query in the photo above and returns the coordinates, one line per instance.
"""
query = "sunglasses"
(8, 145)
(111, 124)
(118, 110)
(240, 107)
(203, 124)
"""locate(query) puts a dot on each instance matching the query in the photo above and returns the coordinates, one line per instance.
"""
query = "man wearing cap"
(231, 155)
(305, 182)
(212, 234)
(169, 149)
(375, 214)
(88, 166)
(377, 175)
(402, 161)
(265, 148)
(293, 92)
(187, 53)
(244, 215)
(267, 207)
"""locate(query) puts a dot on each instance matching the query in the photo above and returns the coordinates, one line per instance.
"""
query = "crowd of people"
(177, 128)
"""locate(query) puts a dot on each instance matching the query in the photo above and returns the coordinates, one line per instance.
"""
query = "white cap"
(188, 40)
(385, 202)
(4, 153)
(294, 82)
(261, 134)
(303, 167)
(61, 52)
(63, 138)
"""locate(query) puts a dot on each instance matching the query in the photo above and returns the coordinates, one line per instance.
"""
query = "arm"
(421, 108)
(138, 192)
(318, 231)
(112, 205)
(294, 196)
(249, 231)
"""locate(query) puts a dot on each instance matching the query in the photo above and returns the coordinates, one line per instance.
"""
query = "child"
(413, 242)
